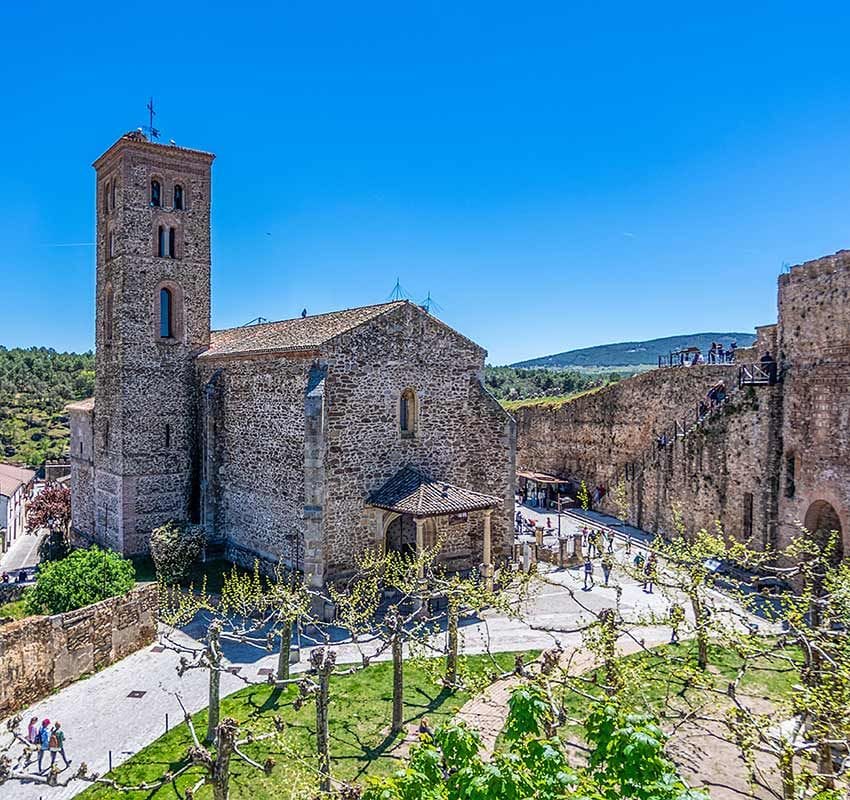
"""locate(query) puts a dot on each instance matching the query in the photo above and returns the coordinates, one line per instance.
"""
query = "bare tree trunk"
(226, 741)
(214, 657)
(323, 661)
(613, 681)
(452, 642)
(283, 656)
(398, 683)
(701, 632)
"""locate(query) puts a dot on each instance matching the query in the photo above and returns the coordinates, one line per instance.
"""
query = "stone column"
(420, 569)
(488, 559)
(380, 543)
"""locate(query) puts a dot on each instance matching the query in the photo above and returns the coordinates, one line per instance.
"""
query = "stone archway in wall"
(400, 533)
(821, 520)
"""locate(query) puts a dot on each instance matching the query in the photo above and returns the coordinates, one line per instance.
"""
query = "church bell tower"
(152, 319)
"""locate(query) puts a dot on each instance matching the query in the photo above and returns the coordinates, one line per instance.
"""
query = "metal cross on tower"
(152, 132)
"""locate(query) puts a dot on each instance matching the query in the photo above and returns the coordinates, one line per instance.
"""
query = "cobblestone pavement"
(100, 716)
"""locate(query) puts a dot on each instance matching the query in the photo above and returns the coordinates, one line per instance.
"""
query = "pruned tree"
(51, 509)
(175, 548)
(814, 644)
(683, 569)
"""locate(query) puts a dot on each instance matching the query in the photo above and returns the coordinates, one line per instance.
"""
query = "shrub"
(174, 548)
(84, 577)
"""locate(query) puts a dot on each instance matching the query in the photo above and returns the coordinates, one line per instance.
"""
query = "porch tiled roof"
(411, 492)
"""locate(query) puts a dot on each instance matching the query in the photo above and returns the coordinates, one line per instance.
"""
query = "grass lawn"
(359, 723)
(15, 610)
(554, 401)
(214, 571)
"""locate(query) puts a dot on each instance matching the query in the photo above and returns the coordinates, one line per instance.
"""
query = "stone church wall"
(39, 655)
(462, 435)
(258, 442)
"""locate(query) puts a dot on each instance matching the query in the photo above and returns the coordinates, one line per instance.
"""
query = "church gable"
(407, 331)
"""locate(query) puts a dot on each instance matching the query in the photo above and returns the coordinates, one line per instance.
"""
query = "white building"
(15, 486)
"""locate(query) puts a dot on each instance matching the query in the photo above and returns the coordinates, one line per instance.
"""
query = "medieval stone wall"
(722, 471)
(594, 436)
(39, 655)
(814, 344)
(462, 435)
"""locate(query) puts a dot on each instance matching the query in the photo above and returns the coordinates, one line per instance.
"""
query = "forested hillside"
(35, 386)
(631, 354)
(510, 383)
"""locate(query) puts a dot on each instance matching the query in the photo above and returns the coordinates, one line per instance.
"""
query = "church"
(304, 441)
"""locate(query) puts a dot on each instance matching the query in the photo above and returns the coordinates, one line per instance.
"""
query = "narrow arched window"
(167, 436)
(166, 312)
(161, 242)
(156, 193)
(407, 412)
(111, 243)
(178, 197)
(172, 242)
(106, 193)
(112, 197)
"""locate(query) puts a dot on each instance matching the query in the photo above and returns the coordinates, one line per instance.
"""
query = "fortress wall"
(814, 345)
(594, 436)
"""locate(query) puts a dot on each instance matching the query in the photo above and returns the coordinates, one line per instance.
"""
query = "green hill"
(35, 385)
(633, 354)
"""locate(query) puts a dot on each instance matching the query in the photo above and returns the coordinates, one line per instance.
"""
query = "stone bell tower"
(153, 317)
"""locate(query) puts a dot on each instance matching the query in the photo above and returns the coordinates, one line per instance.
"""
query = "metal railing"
(760, 374)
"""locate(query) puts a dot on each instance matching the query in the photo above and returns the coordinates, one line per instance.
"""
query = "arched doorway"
(400, 534)
(822, 521)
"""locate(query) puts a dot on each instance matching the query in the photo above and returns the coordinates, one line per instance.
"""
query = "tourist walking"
(649, 573)
(638, 560)
(628, 544)
(610, 536)
(32, 738)
(677, 616)
(43, 741)
(588, 574)
(57, 745)
(607, 565)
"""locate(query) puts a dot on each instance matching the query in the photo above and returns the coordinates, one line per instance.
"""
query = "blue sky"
(556, 175)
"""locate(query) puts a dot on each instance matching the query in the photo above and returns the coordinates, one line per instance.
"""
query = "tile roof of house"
(411, 492)
(292, 335)
(81, 405)
(12, 477)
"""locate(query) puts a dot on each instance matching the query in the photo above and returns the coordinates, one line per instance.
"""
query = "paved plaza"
(123, 708)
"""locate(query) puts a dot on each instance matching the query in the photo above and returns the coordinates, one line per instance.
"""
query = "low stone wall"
(41, 654)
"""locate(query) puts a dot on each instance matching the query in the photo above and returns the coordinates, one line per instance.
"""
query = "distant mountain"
(631, 354)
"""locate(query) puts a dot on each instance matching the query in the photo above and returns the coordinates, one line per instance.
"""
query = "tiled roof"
(81, 405)
(11, 477)
(301, 333)
(411, 492)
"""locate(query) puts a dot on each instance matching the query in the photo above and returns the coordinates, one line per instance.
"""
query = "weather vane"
(152, 132)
